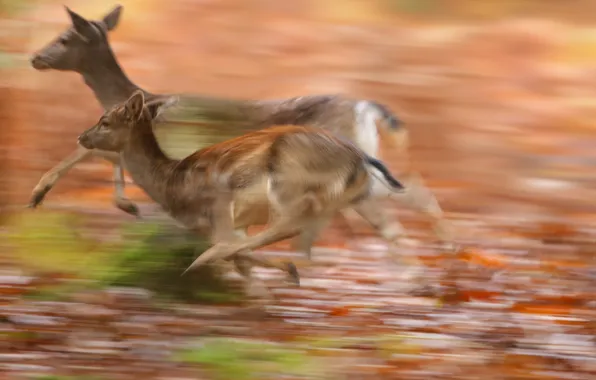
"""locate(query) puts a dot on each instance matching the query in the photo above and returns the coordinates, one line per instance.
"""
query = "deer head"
(84, 40)
(112, 131)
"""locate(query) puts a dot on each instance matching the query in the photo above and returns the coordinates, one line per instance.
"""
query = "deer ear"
(154, 109)
(112, 18)
(135, 104)
(154, 106)
(80, 24)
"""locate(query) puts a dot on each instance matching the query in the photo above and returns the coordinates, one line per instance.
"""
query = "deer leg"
(308, 235)
(391, 230)
(282, 229)
(49, 179)
(243, 264)
(344, 217)
(287, 225)
(223, 230)
(224, 233)
(255, 287)
(120, 199)
(420, 198)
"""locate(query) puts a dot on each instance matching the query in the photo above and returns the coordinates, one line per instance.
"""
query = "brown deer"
(84, 48)
(301, 176)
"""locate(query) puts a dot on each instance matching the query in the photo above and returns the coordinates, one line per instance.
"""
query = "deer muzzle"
(39, 62)
(84, 141)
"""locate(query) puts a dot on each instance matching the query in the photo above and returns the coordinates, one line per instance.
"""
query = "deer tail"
(396, 134)
(393, 123)
(389, 178)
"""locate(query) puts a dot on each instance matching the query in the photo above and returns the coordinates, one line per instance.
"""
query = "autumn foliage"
(499, 98)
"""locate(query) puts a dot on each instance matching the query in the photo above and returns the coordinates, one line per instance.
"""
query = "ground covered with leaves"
(521, 312)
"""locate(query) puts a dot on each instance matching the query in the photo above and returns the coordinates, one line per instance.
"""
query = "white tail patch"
(367, 136)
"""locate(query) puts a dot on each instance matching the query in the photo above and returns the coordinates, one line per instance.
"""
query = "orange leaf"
(482, 258)
(479, 294)
(559, 299)
(340, 311)
(541, 309)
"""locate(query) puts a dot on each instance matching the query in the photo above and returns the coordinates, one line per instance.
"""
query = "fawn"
(84, 48)
(300, 176)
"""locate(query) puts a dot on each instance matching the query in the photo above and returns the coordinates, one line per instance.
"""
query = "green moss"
(152, 256)
(48, 242)
(247, 360)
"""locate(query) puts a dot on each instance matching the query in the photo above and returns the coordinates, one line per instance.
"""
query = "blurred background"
(498, 96)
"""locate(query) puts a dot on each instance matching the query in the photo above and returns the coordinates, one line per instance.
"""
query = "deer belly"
(251, 206)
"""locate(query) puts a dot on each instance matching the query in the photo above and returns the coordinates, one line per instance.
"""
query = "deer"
(84, 48)
(293, 177)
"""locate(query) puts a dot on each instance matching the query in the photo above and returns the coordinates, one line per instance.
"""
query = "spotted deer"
(300, 176)
(84, 48)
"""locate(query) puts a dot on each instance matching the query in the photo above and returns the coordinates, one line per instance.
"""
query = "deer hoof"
(294, 276)
(38, 196)
(128, 207)
(33, 204)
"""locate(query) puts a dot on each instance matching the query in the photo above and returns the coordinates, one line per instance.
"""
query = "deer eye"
(63, 41)
(102, 124)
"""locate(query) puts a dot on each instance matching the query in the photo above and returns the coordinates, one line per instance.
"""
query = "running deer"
(300, 176)
(84, 48)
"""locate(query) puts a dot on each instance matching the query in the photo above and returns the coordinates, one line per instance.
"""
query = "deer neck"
(147, 164)
(107, 80)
